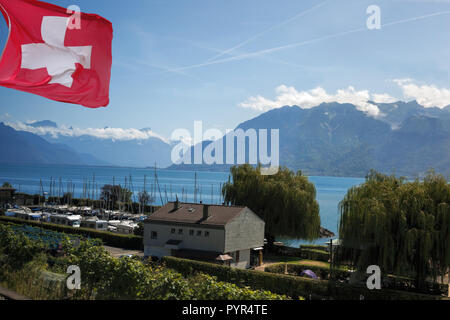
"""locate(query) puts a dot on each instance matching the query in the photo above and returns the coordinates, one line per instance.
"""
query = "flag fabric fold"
(57, 53)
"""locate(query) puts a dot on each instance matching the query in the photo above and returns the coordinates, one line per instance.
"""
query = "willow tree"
(401, 226)
(286, 201)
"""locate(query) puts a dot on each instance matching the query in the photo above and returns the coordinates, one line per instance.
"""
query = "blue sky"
(166, 72)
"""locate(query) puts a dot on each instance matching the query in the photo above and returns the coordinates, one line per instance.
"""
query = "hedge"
(296, 270)
(314, 254)
(395, 283)
(130, 242)
(314, 247)
(292, 286)
(310, 252)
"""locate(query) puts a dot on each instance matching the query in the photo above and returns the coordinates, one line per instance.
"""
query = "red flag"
(55, 54)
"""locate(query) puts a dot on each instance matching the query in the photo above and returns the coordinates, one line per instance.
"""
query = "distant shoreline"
(160, 168)
(170, 168)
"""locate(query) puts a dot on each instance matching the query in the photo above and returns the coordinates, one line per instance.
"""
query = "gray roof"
(190, 213)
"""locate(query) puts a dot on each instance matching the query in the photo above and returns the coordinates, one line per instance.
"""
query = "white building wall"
(150, 251)
(213, 242)
(244, 259)
(244, 232)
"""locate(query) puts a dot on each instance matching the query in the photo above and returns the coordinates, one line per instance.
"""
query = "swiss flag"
(55, 54)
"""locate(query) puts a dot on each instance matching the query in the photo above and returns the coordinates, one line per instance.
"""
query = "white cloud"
(118, 134)
(426, 95)
(289, 96)
(5, 116)
(383, 98)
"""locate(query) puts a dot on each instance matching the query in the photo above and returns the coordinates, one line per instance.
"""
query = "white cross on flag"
(46, 55)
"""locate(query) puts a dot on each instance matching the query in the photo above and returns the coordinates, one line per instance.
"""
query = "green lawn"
(319, 264)
(301, 262)
(276, 258)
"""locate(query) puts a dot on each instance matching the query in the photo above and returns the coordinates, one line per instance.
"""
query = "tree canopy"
(145, 198)
(114, 193)
(286, 201)
(403, 227)
(6, 185)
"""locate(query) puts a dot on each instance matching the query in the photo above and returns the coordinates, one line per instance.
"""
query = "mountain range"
(331, 139)
(338, 140)
(25, 148)
(123, 153)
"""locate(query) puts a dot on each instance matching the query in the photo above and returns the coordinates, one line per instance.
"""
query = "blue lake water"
(330, 190)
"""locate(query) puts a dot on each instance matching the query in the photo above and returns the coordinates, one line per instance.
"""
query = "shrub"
(130, 279)
(297, 269)
(16, 249)
(341, 290)
(292, 286)
(39, 276)
(206, 287)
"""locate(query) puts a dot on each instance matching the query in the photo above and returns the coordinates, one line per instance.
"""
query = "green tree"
(139, 231)
(113, 193)
(7, 185)
(16, 249)
(286, 201)
(144, 199)
(401, 226)
(67, 197)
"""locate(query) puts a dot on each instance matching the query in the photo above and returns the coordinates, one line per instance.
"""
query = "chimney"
(176, 205)
(205, 212)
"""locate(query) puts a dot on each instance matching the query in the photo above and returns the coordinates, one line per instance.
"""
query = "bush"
(294, 287)
(206, 287)
(131, 242)
(297, 269)
(130, 279)
(341, 290)
(25, 268)
(16, 249)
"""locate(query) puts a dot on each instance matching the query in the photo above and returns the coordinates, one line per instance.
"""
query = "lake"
(169, 184)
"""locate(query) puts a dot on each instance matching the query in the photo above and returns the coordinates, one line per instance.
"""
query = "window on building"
(237, 256)
(206, 233)
(199, 233)
(154, 235)
(191, 232)
(173, 230)
(180, 231)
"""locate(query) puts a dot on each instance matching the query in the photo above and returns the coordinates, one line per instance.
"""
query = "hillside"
(26, 148)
